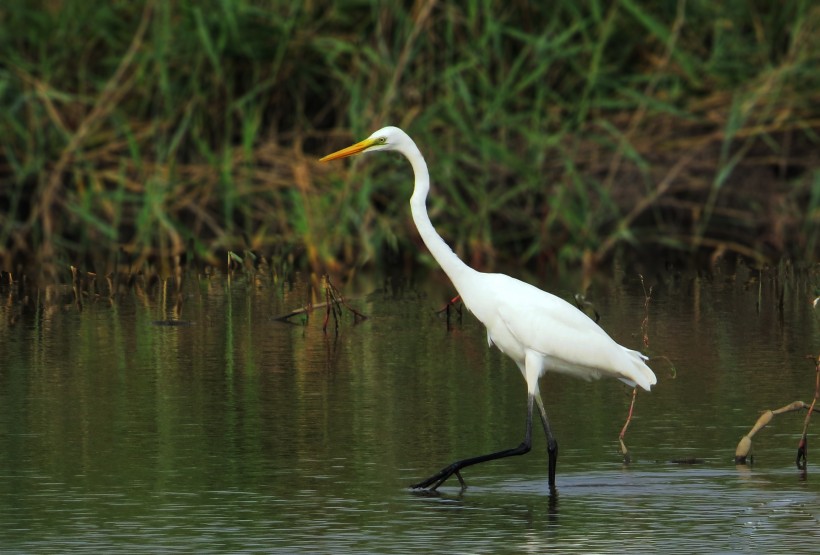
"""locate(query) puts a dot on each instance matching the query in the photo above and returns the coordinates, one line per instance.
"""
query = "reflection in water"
(237, 432)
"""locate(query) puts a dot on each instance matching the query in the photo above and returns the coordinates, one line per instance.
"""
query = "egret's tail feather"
(639, 374)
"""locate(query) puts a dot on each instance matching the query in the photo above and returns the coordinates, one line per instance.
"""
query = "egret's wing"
(568, 339)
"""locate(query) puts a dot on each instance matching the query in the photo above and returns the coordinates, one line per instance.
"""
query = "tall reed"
(558, 133)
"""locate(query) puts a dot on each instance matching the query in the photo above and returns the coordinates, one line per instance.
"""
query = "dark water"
(236, 432)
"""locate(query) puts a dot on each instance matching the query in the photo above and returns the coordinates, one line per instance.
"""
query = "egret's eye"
(381, 140)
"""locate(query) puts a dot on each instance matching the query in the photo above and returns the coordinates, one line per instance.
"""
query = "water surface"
(237, 432)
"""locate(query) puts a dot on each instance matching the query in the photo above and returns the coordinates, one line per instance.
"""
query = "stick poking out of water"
(455, 303)
(744, 447)
(802, 446)
(334, 302)
(645, 333)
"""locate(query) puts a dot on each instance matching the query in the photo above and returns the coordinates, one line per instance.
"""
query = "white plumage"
(539, 331)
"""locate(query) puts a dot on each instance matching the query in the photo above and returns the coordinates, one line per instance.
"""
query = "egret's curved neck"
(452, 265)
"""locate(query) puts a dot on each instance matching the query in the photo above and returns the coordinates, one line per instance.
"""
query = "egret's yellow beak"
(350, 151)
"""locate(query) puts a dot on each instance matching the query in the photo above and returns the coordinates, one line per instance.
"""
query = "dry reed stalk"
(112, 93)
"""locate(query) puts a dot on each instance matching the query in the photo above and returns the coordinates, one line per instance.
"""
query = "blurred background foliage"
(137, 135)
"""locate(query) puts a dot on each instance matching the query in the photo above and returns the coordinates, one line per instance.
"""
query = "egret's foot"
(433, 482)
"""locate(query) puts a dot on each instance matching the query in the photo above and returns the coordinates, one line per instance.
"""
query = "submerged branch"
(333, 305)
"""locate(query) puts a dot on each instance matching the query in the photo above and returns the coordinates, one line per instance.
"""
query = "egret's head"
(386, 138)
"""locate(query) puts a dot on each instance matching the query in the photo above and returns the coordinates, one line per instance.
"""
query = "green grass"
(558, 134)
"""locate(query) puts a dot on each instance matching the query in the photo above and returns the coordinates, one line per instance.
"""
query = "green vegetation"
(558, 133)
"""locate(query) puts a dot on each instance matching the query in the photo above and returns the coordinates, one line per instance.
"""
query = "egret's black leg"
(552, 444)
(434, 481)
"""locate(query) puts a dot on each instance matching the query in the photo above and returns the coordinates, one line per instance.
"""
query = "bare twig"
(802, 447)
(333, 304)
(645, 322)
(745, 444)
(645, 333)
(624, 450)
(455, 303)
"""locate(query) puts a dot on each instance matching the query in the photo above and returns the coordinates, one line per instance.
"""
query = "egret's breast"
(499, 334)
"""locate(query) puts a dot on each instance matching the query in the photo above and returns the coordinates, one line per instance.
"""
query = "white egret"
(539, 331)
